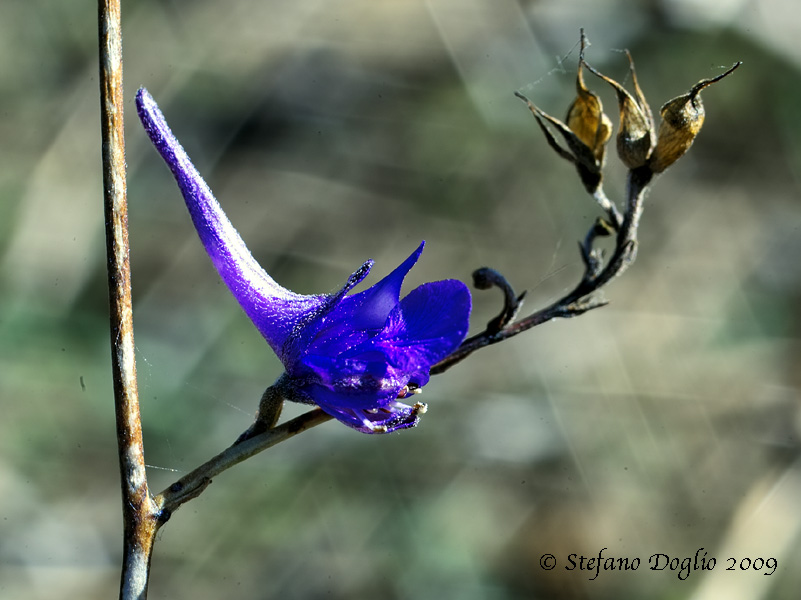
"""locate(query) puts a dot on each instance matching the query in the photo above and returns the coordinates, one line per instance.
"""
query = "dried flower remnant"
(682, 119)
(586, 131)
(635, 137)
(356, 356)
(586, 117)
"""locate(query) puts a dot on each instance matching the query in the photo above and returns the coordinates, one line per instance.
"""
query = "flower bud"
(635, 136)
(682, 119)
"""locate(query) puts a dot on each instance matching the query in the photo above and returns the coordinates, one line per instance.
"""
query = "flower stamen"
(408, 390)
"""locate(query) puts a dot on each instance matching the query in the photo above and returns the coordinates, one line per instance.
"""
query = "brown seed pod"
(586, 117)
(586, 130)
(682, 119)
(635, 137)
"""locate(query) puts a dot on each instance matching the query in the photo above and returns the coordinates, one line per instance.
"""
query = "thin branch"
(596, 275)
(137, 506)
(616, 219)
(485, 279)
(193, 484)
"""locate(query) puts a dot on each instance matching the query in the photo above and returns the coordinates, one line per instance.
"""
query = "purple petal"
(430, 323)
(437, 318)
(360, 316)
(425, 327)
(275, 310)
(365, 381)
(369, 309)
(385, 419)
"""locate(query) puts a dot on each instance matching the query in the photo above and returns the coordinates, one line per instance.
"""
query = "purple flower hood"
(356, 356)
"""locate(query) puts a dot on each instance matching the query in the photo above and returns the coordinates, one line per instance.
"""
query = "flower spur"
(355, 356)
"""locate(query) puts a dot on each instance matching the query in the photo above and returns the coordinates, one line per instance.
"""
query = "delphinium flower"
(356, 356)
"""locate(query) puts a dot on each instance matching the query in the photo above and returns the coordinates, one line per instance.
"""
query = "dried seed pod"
(577, 152)
(682, 119)
(635, 136)
(586, 132)
(585, 117)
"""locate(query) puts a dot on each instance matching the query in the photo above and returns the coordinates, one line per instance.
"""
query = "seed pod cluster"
(587, 129)
(638, 144)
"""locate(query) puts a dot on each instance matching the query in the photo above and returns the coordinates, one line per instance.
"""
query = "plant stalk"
(138, 509)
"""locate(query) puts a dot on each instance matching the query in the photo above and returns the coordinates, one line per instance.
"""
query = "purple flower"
(356, 356)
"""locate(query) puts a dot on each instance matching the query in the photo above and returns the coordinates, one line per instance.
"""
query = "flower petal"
(369, 309)
(386, 419)
(275, 310)
(366, 381)
(360, 316)
(432, 321)
(425, 327)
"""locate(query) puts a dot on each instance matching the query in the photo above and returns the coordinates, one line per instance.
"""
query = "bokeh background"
(334, 131)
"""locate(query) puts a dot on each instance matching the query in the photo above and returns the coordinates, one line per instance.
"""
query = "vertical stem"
(139, 514)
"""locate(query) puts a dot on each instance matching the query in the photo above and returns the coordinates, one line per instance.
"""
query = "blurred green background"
(334, 131)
